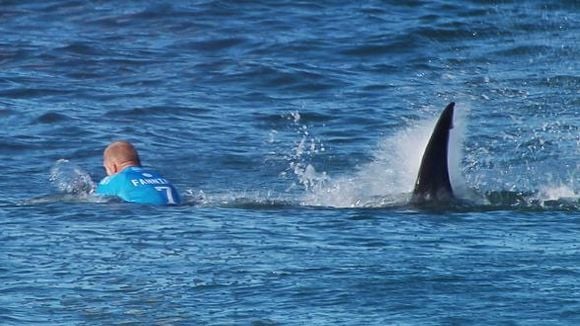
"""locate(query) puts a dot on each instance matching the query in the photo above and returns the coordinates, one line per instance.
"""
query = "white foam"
(389, 178)
(557, 192)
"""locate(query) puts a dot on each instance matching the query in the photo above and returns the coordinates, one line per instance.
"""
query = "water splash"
(560, 193)
(388, 179)
(557, 192)
(69, 178)
(305, 149)
(73, 184)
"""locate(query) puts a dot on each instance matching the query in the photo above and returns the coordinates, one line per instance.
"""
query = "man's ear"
(111, 168)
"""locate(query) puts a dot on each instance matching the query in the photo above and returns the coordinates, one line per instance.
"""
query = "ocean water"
(294, 131)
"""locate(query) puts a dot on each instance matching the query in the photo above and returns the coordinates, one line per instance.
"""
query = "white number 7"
(168, 194)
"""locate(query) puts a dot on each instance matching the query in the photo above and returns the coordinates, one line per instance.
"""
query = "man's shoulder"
(108, 180)
(105, 181)
(109, 185)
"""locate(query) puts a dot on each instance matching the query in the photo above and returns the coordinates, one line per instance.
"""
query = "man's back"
(139, 185)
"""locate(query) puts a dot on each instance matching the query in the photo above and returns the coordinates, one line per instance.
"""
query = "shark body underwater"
(433, 184)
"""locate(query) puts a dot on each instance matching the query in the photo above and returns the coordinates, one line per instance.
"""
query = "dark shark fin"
(433, 183)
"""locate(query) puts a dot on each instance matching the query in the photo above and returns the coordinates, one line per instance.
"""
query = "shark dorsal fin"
(433, 183)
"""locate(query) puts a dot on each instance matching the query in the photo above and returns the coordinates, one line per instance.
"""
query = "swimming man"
(131, 182)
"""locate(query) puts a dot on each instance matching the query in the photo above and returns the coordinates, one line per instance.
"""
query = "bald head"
(119, 155)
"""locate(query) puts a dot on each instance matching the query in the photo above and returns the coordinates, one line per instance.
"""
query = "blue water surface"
(294, 131)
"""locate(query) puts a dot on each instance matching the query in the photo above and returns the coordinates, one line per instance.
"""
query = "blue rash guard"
(139, 185)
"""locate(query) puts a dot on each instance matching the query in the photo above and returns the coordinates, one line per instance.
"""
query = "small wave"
(13, 145)
(83, 48)
(297, 77)
(446, 33)
(523, 50)
(51, 117)
(211, 45)
(6, 112)
(67, 198)
(22, 92)
(388, 47)
(156, 111)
